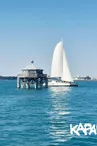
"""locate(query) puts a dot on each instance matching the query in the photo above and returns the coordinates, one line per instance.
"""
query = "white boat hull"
(61, 84)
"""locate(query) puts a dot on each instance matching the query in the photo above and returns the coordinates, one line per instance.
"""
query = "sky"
(30, 30)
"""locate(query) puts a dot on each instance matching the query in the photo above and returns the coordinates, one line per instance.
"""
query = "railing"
(32, 75)
(28, 75)
(42, 75)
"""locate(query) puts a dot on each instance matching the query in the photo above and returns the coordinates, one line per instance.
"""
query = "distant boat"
(60, 68)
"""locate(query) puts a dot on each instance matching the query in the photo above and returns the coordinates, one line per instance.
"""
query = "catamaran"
(60, 69)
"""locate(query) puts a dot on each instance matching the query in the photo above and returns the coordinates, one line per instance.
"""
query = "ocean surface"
(43, 117)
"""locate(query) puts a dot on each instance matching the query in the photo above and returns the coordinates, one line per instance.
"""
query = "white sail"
(57, 61)
(59, 66)
(66, 75)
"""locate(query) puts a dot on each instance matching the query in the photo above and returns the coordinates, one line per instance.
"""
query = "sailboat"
(60, 72)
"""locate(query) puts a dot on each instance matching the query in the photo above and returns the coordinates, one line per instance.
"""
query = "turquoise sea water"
(43, 117)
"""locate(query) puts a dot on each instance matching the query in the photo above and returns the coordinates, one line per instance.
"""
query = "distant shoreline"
(8, 77)
(15, 78)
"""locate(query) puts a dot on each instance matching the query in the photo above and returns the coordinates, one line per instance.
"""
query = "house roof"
(31, 67)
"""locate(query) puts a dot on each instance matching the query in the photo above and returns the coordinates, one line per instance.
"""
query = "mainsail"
(60, 65)
(57, 61)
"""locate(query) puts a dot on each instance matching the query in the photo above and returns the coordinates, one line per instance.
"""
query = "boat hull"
(62, 84)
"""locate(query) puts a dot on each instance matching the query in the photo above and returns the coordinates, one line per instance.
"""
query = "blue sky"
(30, 29)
